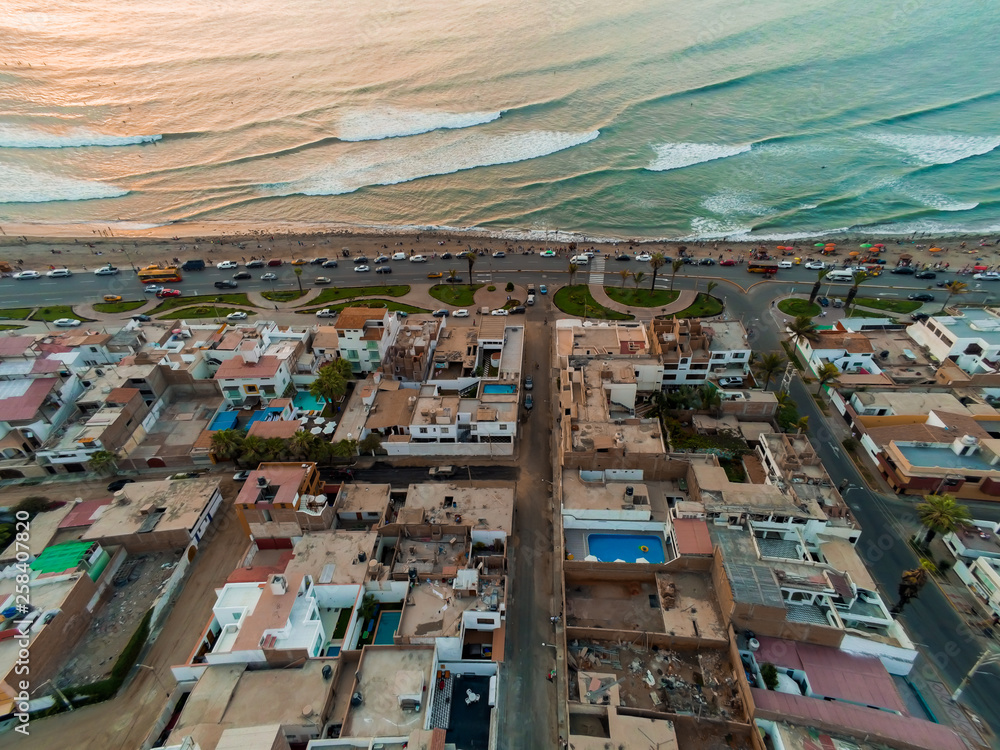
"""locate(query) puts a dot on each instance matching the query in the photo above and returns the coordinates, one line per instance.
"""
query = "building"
(970, 339)
(251, 380)
(279, 502)
(411, 352)
(364, 336)
(692, 351)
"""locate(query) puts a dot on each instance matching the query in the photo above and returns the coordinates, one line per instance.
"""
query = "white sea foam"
(714, 229)
(18, 185)
(13, 136)
(368, 124)
(678, 155)
(392, 166)
(937, 149)
(732, 202)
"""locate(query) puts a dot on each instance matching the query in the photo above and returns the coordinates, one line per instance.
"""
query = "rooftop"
(277, 428)
(354, 318)
(363, 498)
(942, 457)
(973, 323)
(481, 505)
(433, 610)
(20, 400)
(238, 367)
(283, 481)
(719, 495)
(161, 505)
(386, 675)
(331, 557)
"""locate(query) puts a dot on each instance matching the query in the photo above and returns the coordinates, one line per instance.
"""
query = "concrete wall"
(449, 450)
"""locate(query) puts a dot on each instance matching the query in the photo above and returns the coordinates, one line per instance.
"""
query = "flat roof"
(363, 498)
(691, 536)
(384, 674)
(482, 505)
(84, 513)
(62, 557)
(286, 477)
(21, 399)
(238, 368)
(942, 457)
(279, 428)
(331, 557)
(183, 501)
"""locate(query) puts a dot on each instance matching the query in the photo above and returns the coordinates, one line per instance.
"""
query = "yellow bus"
(157, 275)
(762, 266)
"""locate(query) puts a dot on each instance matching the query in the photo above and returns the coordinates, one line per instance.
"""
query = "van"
(530, 301)
(193, 265)
(580, 260)
(531, 288)
(839, 275)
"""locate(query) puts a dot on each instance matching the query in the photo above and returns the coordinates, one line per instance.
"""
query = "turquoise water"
(388, 622)
(642, 118)
(308, 402)
(611, 547)
(495, 389)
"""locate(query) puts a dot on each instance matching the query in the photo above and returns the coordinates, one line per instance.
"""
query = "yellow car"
(112, 298)
(300, 262)
(436, 275)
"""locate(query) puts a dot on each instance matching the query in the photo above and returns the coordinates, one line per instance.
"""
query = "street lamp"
(987, 657)
(550, 645)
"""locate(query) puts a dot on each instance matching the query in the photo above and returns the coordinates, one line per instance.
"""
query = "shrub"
(849, 443)
(491, 288)
(129, 655)
(769, 673)
(33, 505)
(510, 286)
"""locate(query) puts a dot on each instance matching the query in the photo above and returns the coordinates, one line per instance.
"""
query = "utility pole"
(987, 657)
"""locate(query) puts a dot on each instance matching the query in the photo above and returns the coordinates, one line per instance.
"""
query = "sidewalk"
(684, 300)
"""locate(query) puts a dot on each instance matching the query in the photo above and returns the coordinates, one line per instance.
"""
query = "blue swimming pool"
(224, 421)
(305, 401)
(627, 547)
(388, 622)
(495, 389)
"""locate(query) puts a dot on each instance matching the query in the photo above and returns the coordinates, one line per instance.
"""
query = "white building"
(364, 334)
(253, 378)
(972, 339)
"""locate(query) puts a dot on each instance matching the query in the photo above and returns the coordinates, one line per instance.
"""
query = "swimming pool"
(627, 547)
(388, 622)
(495, 388)
(225, 420)
(305, 401)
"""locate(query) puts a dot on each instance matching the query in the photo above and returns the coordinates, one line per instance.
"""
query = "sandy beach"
(84, 247)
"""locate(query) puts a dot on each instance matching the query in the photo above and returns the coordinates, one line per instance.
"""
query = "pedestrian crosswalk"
(597, 269)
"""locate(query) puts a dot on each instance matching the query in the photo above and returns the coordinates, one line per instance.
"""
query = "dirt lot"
(117, 619)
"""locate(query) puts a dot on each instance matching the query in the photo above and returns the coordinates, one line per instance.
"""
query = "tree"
(676, 266)
(769, 365)
(302, 444)
(371, 443)
(227, 444)
(331, 381)
(572, 268)
(660, 404)
(859, 278)
(953, 287)
(453, 273)
(345, 448)
(103, 462)
(637, 278)
(800, 328)
(827, 372)
(910, 584)
(769, 673)
(656, 263)
(802, 425)
(783, 399)
(624, 274)
(711, 398)
(275, 449)
(470, 258)
(819, 280)
(298, 277)
(710, 286)
(254, 450)
(941, 514)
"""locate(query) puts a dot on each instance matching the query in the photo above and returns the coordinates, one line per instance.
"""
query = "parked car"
(445, 256)
(823, 301)
(837, 302)
(499, 254)
(815, 265)
(727, 262)
(500, 311)
(274, 262)
(269, 277)
(360, 259)
(300, 262)
(106, 271)
(987, 276)
(119, 484)
(193, 265)
(706, 262)
(242, 275)
(730, 382)
(454, 279)
(383, 269)
(921, 297)
(542, 289)
(548, 253)
(530, 300)
(399, 256)
(518, 310)
(169, 293)
(27, 275)
(463, 313)
(917, 317)
(317, 261)
(580, 260)
(326, 312)
(361, 269)
(416, 259)
(441, 472)
(329, 264)
(141, 318)
(381, 259)
(643, 257)
(241, 476)
(112, 298)
(320, 280)
(227, 265)
(226, 284)
(528, 383)
(66, 322)
(529, 402)
(440, 313)
(256, 264)
(623, 257)
(904, 270)
(785, 264)
(234, 316)
(925, 275)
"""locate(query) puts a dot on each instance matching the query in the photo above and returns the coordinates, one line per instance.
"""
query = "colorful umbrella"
(934, 250)
(818, 244)
(865, 246)
(854, 253)
(879, 244)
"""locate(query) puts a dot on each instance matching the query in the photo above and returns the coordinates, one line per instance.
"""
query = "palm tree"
(827, 372)
(470, 258)
(452, 273)
(302, 444)
(298, 277)
(572, 268)
(676, 266)
(103, 461)
(710, 286)
(331, 382)
(656, 263)
(227, 444)
(371, 443)
(624, 274)
(802, 425)
(782, 398)
(254, 450)
(941, 514)
(819, 280)
(953, 287)
(661, 404)
(769, 365)
(637, 278)
(275, 449)
(711, 398)
(910, 584)
(802, 328)
(345, 448)
(859, 278)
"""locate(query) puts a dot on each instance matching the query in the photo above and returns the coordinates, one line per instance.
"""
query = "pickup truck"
(442, 472)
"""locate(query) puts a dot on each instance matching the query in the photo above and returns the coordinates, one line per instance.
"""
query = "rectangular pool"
(495, 389)
(305, 401)
(388, 622)
(627, 547)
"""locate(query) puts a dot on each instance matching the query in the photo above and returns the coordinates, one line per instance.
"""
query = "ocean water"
(722, 118)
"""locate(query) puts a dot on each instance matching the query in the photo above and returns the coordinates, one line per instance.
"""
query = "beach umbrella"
(854, 253)
(934, 250)
(879, 244)
(831, 244)
(818, 244)
(865, 246)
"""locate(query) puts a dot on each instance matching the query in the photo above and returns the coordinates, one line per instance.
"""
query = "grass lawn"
(511, 304)
(10, 328)
(392, 305)
(350, 292)
(203, 311)
(460, 295)
(705, 305)
(172, 303)
(889, 305)
(15, 313)
(54, 312)
(573, 299)
(641, 297)
(119, 307)
(795, 307)
(284, 296)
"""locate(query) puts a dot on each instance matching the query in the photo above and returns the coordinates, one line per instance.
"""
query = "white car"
(361, 269)
(580, 260)
(106, 271)
(326, 312)
(463, 313)
(499, 254)
(499, 311)
(153, 289)
(236, 316)
(269, 277)
(418, 259)
(815, 265)
(987, 276)
(785, 264)
(27, 275)
(66, 322)
(548, 253)
(643, 257)
(399, 256)
(58, 273)
(227, 265)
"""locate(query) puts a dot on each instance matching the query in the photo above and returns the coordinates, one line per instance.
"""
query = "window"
(250, 388)
(423, 430)
(372, 344)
